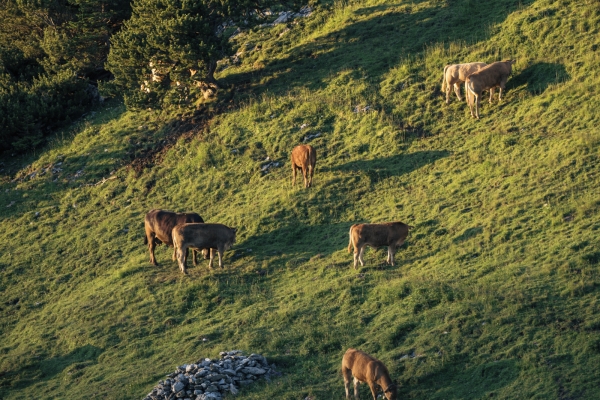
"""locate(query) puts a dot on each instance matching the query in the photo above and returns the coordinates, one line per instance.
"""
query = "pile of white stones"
(212, 379)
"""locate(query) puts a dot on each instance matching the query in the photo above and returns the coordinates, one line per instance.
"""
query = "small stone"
(253, 370)
(233, 389)
(212, 388)
(179, 386)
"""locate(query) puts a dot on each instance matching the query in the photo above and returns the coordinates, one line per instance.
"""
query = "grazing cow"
(202, 236)
(366, 368)
(494, 75)
(391, 234)
(304, 157)
(159, 224)
(455, 75)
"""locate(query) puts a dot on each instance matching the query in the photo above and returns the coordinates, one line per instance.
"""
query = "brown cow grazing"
(202, 236)
(391, 234)
(159, 224)
(304, 157)
(494, 75)
(455, 75)
(366, 368)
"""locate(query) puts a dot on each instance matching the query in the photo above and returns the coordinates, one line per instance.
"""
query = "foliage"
(47, 51)
(495, 293)
(173, 45)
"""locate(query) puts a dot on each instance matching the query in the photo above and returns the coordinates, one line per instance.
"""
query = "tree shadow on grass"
(43, 370)
(539, 76)
(381, 168)
(384, 35)
(456, 381)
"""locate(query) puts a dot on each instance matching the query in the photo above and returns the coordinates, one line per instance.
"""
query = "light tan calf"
(367, 369)
(304, 157)
(455, 75)
(391, 234)
(490, 77)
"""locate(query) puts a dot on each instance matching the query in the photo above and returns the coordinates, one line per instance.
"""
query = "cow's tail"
(145, 239)
(444, 79)
(350, 243)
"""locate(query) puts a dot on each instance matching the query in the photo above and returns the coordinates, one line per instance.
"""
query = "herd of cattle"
(477, 77)
(184, 231)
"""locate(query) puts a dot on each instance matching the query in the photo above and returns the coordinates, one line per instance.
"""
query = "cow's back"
(162, 222)
(204, 235)
(491, 75)
(304, 154)
(378, 235)
(364, 366)
(465, 70)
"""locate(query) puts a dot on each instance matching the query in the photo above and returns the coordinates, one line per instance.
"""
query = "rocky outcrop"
(212, 378)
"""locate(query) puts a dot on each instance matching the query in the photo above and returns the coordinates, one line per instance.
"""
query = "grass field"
(495, 294)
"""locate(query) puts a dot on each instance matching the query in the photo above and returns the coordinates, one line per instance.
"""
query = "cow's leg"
(220, 252)
(356, 382)
(311, 172)
(457, 90)
(373, 387)
(448, 90)
(347, 374)
(293, 174)
(194, 253)
(391, 251)
(477, 101)
(212, 255)
(355, 257)
(151, 247)
(389, 256)
(182, 258)
(500, 93)
(305, 175)
(360, 255)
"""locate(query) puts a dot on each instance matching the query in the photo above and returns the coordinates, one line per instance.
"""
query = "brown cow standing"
(366, 368)
(304, 157)
(391, 234)
(159, 224)
(494, 75)
(202, 236)
(455, 75)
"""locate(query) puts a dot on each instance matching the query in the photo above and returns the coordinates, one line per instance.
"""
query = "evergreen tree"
(173, 42)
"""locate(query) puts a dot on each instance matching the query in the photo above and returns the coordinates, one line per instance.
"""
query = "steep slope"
(494, 294)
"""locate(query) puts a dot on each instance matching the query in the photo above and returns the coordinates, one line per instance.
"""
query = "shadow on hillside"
(480, 381)
(382, 168)
(539, 76)
(46, 369)
(369, 48)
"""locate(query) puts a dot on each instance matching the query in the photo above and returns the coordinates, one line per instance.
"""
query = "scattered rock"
(359, 109)
(211, 379)
(311, 137)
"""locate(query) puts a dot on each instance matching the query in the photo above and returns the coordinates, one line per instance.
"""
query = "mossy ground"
(496, 292)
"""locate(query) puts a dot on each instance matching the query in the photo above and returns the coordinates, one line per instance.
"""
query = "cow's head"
(391, 392)
(232, 239)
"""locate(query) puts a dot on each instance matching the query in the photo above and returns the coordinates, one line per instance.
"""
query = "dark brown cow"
(202, 236)
(367, 369)
(159, 224)
(304, 157)
(455, 75)
(492, 76)
(391, 234)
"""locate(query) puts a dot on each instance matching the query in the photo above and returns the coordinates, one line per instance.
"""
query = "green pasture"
(495, 294)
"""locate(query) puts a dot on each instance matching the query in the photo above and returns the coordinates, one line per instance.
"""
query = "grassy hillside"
(495, 294)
